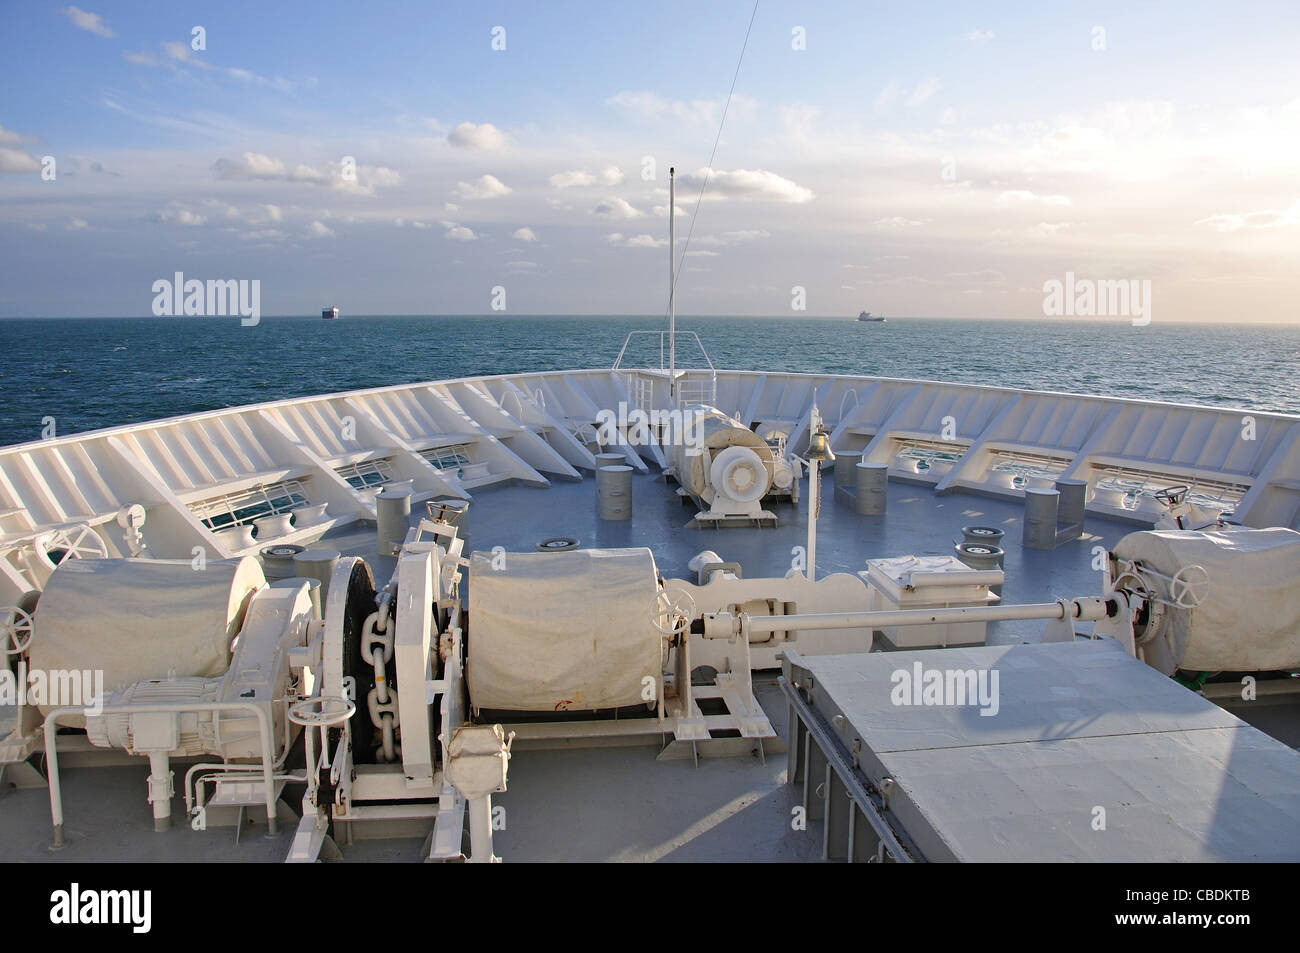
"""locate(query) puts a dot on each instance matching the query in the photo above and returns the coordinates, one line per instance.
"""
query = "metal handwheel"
(1189, 587)
(1172, 495)
(15, 630)
(672, 610)
(78, 541)
(321, 711)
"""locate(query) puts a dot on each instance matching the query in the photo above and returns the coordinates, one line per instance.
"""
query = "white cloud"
(1267, 218)
(251, 165)
(16, 160)
(346, 177)
(923, 91)
(524, 234)
(569, 180)
(180, 216)
(468, 135)
(1048, 229)
(179, 54)
(458, 233)
(898, 221)
(889, 97)
(616, 208)
(731, 238)
(655, 106)
(610, 175)
(10, 138)
(90, 22)
(748, 184)
(484, 187)
(1024, 195)
(320, 230)
(980, 36)
(77, 225)
(635, 241)
(177, 50)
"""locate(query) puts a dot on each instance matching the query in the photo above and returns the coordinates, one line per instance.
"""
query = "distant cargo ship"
(330, 314)
(866, 316)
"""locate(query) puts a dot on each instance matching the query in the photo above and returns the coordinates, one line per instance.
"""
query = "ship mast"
(672, 281)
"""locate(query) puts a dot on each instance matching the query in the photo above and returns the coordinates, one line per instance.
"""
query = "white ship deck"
(523, 462)
(610, 803)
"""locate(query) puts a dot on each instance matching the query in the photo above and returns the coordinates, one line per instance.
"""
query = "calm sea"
(94, 373)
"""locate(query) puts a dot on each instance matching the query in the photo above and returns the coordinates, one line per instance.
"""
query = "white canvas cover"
(1250, 621)
(136, 619)
(567, 631)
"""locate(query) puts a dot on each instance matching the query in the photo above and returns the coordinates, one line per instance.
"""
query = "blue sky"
(912, 159)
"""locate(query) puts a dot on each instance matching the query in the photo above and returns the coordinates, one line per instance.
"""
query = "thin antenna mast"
(672, 279)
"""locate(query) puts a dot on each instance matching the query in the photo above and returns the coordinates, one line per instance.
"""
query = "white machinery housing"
(727, 468)
(1214, 601)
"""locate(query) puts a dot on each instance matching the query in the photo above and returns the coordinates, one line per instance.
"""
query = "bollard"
(1040, 517)
(989, 536)
(609, 460)
(845, 461)
(392, 519)
(1073, 500)
(982, 556)
(614, 493)
(872, 488)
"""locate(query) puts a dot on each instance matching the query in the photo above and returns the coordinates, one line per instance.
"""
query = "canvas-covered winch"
(187, 661)
(1213, 601)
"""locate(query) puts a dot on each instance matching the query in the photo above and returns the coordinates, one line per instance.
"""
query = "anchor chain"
(377, 649)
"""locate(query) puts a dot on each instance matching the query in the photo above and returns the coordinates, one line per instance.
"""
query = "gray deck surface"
(605, 803)
(1080, 727)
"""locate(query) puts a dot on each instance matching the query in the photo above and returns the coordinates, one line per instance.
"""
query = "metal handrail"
(618, 361)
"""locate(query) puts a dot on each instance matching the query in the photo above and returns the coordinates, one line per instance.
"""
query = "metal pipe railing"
(52, 751)
(1088, 610)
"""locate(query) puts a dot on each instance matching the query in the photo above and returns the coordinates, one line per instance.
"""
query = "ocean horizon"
(95, 373)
